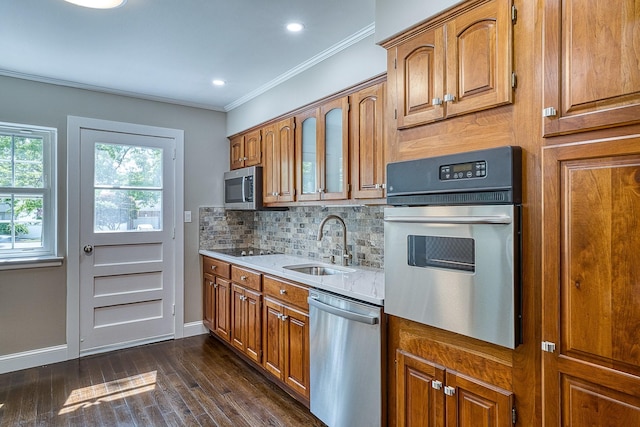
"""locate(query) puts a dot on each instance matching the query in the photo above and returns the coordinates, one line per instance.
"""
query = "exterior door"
(126, 239)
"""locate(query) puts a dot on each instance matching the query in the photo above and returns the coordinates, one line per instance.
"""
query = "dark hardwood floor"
(194, 381)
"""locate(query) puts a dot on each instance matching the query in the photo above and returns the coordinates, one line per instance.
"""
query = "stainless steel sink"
(318, 269)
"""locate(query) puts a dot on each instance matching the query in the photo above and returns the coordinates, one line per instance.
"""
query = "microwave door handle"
(244, 185)
(451, 219)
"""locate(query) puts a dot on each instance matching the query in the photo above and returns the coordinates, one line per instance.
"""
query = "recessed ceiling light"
(218, 82)
(295, 27)
(98, 4)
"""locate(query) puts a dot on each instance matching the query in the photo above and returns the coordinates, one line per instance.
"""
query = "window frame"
(47, 255)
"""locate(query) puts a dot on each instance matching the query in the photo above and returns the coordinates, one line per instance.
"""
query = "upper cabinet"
(367, 142)
(322, 151)
(456, 67)
(591, 74)
(278, 169)
(246, 150)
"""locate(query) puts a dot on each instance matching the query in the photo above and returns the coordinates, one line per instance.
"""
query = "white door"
(126, 239)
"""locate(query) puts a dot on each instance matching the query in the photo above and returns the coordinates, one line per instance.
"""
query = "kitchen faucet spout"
(345, 253)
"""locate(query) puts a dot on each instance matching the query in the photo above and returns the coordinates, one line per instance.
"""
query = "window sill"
(35, 262)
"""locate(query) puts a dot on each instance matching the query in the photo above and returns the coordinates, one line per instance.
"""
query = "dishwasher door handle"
(370, 320)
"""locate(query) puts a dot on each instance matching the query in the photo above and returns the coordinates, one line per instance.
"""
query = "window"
(27, 192)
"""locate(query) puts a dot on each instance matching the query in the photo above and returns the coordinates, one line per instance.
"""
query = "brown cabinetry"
(429, 395)
(278, 165)
(216, 315)
(322, 151)
(460, 66)
(246, 312)
(591, 75)
(286, 333)
(590, 305)
(246, 149)
(368, 142)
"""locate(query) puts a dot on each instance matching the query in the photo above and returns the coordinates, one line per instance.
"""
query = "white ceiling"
(171, 50)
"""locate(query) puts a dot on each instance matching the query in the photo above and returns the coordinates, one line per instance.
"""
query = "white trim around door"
(74, 127)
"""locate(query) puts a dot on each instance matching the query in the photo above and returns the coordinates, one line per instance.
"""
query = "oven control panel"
(469, 170)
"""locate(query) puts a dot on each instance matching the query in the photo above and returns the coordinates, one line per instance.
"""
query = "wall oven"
(453, 243)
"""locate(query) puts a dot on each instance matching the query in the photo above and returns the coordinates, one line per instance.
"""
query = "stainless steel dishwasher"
(346, 341)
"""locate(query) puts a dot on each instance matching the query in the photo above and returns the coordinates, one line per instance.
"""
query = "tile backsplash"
(295, 232)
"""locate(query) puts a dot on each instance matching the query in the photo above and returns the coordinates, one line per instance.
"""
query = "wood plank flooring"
(194, 381)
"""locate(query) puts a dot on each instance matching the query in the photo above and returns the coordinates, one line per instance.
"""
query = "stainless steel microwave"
(243, 189)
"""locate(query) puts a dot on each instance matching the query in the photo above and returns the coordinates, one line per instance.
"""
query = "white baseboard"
(58, 353)
(194, 328)
(33, 358)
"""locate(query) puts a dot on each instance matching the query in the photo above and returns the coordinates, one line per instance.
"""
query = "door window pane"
(309, 159)
(333, 150)
(128, 188)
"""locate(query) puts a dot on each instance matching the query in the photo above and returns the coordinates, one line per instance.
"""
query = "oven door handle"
(342, 313)
(450, 219)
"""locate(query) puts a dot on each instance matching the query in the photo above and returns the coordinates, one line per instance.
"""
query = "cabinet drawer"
(286, 291)
(247, 278)
(217, 267)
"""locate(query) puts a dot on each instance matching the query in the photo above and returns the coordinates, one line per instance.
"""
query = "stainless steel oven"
(452, 243)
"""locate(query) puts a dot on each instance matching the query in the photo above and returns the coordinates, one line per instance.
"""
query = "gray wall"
(353, 65)
(33, 301)
(395, 16)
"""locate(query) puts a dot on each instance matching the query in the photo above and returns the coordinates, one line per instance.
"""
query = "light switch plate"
(187, 216)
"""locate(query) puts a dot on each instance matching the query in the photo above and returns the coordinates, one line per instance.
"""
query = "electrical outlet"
(187, 216)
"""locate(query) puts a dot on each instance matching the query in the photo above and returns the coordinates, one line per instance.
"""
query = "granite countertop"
(365, 284)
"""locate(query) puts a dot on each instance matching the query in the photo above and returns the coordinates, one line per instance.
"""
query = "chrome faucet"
(345, 253)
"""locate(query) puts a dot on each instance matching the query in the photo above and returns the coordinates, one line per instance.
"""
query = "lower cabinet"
(265, 318)
(246, 321)
(430, 395)
(286, 333)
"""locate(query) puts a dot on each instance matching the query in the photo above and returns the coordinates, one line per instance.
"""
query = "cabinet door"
(296, 346)
(367, 142)
(236, 152)
(334, 149)
(307, 137)
(222, 317)
(479, 59)
(273, 337)
(591, 73)
(472, 403)
(419, 394)
(253, 148)
(420, 78)
(590, 298)
(253, 324)
(285, 139)
(208, 297)
(238, 316)
(271, 165)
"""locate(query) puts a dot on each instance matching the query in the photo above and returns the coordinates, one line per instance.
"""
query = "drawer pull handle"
(283, 291)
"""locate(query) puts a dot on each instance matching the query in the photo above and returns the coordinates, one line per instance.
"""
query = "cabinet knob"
(284, 317)
(213, 267)
(449, 97)
(243, 278)
(283, 291)
(279, 316)
(436, 101)
(215, 285)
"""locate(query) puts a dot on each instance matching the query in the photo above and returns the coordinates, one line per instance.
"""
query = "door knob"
(88, 249)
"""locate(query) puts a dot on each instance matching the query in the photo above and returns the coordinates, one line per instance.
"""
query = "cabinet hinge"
(514, 416)
(549, 347)
(395, 114)
(514, 80)
(514, 14)
(395, 63)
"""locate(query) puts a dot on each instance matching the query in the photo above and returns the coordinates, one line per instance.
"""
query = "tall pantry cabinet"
(591, 221)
